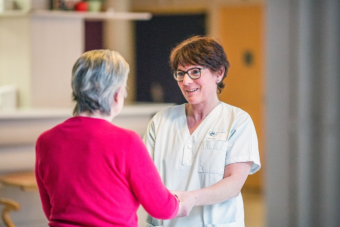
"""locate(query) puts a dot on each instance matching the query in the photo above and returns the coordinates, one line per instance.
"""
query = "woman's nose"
(187, 79)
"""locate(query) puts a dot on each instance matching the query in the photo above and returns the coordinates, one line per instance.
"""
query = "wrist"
(194, 197)
(177, 198)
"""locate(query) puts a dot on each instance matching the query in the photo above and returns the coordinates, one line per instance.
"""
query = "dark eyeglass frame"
(186, 72)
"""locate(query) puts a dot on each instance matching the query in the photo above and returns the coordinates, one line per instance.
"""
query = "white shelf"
(93, 15)
(109, 15)
(14, 13)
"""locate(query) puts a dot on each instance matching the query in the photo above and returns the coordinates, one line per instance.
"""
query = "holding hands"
(186, 202)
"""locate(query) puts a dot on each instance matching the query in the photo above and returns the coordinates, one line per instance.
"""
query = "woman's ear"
(116, 95)
(220, 74)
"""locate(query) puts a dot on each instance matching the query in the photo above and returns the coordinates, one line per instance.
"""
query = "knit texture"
(92, 173)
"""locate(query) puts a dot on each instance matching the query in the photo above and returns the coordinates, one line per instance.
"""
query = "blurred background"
(284, 72)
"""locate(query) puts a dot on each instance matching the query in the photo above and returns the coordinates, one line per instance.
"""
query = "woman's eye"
(195, 71)
(180, 74)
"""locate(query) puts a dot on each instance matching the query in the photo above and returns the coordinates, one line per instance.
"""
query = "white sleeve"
(150, 137)
(243, 143)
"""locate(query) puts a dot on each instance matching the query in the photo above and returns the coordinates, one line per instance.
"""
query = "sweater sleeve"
(44, 197)
(147, 185)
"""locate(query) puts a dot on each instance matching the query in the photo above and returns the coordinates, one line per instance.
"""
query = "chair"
(8, 206)
(24, 180)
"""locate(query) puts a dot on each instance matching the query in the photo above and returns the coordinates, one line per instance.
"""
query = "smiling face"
(200, 51)
(202, 90)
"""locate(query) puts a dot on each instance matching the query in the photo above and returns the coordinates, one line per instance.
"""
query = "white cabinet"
(37, 54)
(39, 48)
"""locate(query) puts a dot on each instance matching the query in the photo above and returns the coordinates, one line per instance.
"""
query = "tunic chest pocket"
(212, 156)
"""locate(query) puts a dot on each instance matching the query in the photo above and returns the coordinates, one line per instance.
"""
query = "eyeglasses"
(193, 73)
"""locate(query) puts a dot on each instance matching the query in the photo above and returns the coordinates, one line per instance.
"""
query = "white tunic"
(190, 162)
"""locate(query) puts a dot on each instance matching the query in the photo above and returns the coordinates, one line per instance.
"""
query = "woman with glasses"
(203, 149)
(89, 171)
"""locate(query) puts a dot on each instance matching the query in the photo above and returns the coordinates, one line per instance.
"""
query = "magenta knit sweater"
(92, 173)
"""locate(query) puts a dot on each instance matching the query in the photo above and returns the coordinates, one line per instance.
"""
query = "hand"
(187, 202)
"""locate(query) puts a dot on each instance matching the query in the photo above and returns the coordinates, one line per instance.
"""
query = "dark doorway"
(154, 41)
(93, 35)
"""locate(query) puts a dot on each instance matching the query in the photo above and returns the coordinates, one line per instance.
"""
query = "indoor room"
(284, 72)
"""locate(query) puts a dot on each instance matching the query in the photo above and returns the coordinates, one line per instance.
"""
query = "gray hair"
(96, 76)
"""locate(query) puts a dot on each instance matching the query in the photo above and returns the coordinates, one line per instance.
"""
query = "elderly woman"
(204, 147)
(89, 171)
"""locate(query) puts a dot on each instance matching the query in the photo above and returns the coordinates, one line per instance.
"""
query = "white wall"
(15, 59)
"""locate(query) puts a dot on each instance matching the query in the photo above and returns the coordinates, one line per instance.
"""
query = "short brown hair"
(200, 50)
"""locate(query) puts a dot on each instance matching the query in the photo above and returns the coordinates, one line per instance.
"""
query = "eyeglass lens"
(194, 74)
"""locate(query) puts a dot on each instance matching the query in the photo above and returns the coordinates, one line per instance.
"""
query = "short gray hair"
(96, 77)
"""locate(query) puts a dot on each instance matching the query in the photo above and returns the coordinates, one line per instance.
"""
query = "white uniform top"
(189, 162)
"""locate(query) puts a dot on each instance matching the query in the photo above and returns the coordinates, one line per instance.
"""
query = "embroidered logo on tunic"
(212, 134)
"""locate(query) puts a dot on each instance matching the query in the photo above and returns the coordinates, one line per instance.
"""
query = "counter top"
(128, 110)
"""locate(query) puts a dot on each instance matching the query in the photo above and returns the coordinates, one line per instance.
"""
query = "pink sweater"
(92, 173)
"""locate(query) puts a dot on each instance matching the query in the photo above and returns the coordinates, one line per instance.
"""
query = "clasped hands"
(186, 202)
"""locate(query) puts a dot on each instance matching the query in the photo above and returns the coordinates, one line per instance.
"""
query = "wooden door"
(241, 34)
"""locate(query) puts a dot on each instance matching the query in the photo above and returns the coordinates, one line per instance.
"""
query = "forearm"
(217, 193)
(223, 190)
(229, 187)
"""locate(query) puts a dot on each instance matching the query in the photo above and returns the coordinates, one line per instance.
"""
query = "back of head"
(96, 76)
(203, 51)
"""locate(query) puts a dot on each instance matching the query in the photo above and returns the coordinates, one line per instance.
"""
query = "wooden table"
(24, 180)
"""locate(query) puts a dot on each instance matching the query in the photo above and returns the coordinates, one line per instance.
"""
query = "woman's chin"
(192, 101)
